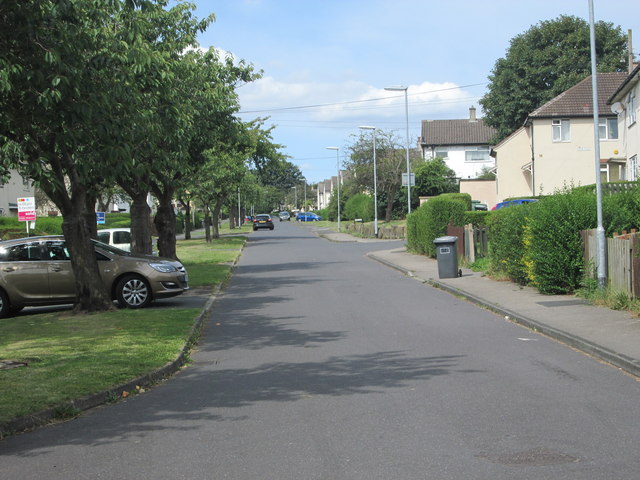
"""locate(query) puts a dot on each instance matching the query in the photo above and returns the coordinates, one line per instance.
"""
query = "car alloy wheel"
(133, 291)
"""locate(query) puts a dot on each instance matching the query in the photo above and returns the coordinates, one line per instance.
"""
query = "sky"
(325, 63)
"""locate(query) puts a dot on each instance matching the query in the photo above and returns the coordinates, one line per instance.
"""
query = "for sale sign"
(27, 209)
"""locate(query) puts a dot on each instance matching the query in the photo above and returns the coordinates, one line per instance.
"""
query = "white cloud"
(349, 100)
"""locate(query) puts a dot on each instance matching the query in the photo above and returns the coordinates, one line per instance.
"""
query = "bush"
(324, 213)
(359, 206)
(477, 217)
(553, 246)
(431, 219)
(506, 247)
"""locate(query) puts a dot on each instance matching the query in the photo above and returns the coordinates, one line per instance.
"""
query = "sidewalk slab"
(609, 335)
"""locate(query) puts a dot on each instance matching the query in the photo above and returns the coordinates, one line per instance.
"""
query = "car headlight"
(163, 267)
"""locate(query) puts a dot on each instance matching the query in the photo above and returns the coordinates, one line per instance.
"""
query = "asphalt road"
(319, 363)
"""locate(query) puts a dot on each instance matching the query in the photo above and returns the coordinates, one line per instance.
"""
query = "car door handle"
(56, 269)
(9, 269)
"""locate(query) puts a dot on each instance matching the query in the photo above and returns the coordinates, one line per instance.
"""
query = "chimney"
(472, 114)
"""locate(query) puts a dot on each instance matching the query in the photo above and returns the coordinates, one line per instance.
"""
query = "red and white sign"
(27, 209)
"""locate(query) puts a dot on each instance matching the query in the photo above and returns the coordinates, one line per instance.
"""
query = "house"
(624, 101)
(463, 144)
(15, 187)
(555, 146)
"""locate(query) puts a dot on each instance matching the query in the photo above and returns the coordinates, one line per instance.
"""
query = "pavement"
(608, 335)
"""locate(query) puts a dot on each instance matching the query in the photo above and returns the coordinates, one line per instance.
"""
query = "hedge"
(430, 220)
(359, 206)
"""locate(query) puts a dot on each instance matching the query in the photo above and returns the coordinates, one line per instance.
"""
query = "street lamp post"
(295, 197)
(375, 182)
(338, 167)
(406, 109)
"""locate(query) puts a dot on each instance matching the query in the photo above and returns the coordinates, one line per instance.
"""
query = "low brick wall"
(366, 230)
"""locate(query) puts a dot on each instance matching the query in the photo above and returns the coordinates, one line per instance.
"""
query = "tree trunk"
(207, 223)
(388, 215)
(216, 216)
(165, 222)
(141, 224)
(77, 225)
(187, 221)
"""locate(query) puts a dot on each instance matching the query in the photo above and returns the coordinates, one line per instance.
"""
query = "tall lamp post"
(406, 109)
(601, 245)
(375, 181)
(338, 167)
(295, 197)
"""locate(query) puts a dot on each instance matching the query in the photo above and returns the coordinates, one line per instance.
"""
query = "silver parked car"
(37, 271)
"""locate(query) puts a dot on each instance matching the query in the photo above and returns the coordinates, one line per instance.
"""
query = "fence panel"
(619, 264)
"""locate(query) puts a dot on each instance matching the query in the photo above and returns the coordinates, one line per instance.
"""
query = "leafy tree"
(545, 61)
(434, 177)
(62, 63)
(391, 162)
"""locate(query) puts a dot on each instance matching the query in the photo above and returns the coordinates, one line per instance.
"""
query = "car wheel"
(272, 228)
(132, 291)
(5, 306)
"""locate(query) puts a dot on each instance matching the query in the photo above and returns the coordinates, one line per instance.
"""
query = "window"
(477, 154)
(631, 107)
(57, 250)
(21, 253)
(632, 168)
(608, 128)
(441, 152)
(561, 130)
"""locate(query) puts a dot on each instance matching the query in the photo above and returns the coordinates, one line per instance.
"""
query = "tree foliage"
(543, 62)
(391, 162)
(434, 177)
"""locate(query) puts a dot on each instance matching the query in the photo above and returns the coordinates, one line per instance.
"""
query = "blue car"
(308, 217)
(509, 203)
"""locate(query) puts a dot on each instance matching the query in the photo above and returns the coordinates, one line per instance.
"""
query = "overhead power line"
(322, 105)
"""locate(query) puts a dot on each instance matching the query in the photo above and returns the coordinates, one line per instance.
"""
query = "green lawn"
(71, 356)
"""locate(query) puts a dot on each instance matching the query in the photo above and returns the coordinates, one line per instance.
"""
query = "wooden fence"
(473, 242)
(622, 257)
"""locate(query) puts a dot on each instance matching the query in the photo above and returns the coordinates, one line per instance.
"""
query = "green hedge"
(359, 206)
(506, 244)
(430, 221)
(553, 246)
(478, 218)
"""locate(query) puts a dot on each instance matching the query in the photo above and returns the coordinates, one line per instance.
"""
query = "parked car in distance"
(308, 217)
(36, 271)
(477, 206)
(262, 221)
(284, 216)
(116, 237)
(248, 219)
(509, 203)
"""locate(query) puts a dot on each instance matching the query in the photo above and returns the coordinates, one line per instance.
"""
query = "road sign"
(27, 209)
(100, 218)
(404, 179)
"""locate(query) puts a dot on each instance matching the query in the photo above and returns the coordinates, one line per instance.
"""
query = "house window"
(561, 130)
(632, 169)
(631, 107)
(608, 128)
(441, 152)
(477, 154)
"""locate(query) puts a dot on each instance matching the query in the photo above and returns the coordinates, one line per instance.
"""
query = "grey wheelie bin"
(447, 255)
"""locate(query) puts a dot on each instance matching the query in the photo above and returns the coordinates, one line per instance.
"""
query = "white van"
(117, 237)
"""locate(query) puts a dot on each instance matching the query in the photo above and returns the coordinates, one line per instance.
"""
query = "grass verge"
(71, 356)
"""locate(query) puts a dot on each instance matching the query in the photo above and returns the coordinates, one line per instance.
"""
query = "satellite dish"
(617, 108)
